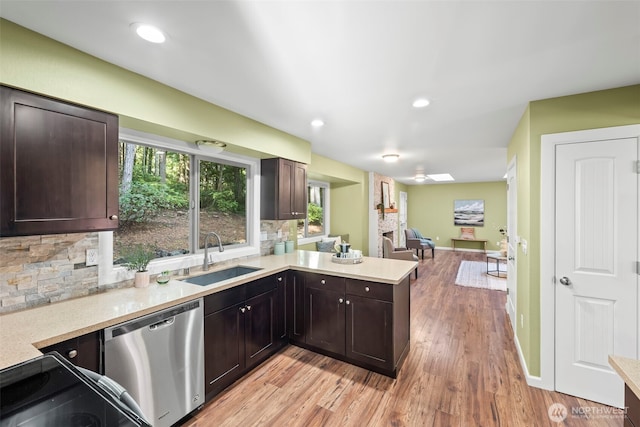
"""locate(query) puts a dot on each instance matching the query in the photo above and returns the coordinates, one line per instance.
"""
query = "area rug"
(474, 274)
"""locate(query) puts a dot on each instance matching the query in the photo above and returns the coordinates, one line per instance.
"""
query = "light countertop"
(629, 370)
(23, 332)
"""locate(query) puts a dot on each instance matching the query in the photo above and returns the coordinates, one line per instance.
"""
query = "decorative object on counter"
(278, 249)
(163, 278)
(137, 258)
(351, 259)
(288, 246)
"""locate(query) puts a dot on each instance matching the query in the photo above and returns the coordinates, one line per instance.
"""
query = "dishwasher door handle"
(162, 324)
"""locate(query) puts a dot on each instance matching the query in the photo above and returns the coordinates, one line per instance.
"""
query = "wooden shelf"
(389, 210)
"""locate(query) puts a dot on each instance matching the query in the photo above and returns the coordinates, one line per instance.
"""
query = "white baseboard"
(449, 248)
(532, 381)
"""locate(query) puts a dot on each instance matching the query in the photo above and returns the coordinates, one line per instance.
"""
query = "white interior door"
(402, 218)
(512, 244)
(596, 247)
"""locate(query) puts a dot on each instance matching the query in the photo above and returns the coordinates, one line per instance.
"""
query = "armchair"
(417, 242)
(389, 251)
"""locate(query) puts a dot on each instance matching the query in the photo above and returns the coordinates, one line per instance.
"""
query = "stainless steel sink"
(219, 276)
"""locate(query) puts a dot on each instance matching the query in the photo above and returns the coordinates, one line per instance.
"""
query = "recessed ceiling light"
(316, 123)
(390, 158)
(421, 103)
(149, 33)
(441, 177)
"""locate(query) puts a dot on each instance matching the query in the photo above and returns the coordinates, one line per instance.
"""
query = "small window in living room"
(317, 211)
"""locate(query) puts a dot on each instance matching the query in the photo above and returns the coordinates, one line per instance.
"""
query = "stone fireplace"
(387, 227)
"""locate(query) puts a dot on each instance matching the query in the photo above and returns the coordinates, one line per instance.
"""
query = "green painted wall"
(36, 63)
(348, 195)
(430, 210)
(607, 108)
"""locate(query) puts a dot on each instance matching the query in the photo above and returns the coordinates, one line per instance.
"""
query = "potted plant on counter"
(137, 258)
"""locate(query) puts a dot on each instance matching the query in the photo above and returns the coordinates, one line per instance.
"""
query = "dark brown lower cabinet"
(361, 322)
(83, 351)
(324, 313)
(632, 403)
(239, 331)
(295, 306)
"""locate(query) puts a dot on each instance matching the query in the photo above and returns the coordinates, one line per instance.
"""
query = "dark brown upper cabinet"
(58, 166)
(283, 189)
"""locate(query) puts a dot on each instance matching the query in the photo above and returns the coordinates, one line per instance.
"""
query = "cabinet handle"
(366, 289)
(348, 302)
(340, 301)
(242, 309)
(72, 353)
(114, 217)
(322, 281)
(279, 279)
(248, 307)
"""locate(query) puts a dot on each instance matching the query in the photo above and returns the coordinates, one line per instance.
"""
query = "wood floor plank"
(462, 370)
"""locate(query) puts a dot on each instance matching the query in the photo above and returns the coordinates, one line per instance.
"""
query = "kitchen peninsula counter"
(23, 332)
(629, 371)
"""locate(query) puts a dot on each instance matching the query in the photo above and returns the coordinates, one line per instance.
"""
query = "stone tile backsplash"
(37, 270)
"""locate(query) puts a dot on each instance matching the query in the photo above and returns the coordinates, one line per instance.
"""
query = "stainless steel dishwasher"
(159, 359)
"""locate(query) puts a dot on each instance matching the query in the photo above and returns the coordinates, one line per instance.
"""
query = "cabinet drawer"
(223, 299)
(381, 291)
(260, 286)
(321, 281)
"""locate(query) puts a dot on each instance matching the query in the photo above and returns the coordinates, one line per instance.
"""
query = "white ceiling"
(358, 65)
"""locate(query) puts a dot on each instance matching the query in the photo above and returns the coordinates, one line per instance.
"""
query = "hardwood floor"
(462, 370)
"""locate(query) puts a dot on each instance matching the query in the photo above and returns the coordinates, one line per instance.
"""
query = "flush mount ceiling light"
(317, 123)
(211, 144)
(420, 177)
(149, 32)
(390, 158)
(421, 103)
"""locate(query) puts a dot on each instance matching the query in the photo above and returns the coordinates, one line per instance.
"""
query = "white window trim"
(108, 273)
(327, 214)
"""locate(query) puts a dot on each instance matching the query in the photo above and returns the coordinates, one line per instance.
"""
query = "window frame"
(109, 273)
(326, 211)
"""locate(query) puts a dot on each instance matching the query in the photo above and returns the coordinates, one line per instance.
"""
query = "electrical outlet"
(437, 237)
(92, 257)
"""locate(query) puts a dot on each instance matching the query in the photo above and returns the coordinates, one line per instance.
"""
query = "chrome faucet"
(205, 264)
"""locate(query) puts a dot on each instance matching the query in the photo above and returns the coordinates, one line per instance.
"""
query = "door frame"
(512, 230)
(547, 235)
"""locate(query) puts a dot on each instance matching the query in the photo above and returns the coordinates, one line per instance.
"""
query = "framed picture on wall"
(469, 212)
(385, 195)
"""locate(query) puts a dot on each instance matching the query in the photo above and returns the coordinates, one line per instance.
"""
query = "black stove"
(50, 391)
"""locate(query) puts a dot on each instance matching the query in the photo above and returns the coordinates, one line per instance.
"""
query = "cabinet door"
(324, 313)
(369, 331)
(299, 191)
(59, 166)
(83, 351)
(286, 175)
(295, 307)
(281, 325)
(223, 348)
(259, 324)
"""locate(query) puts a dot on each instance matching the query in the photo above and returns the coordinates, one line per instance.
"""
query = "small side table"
(497, 257)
